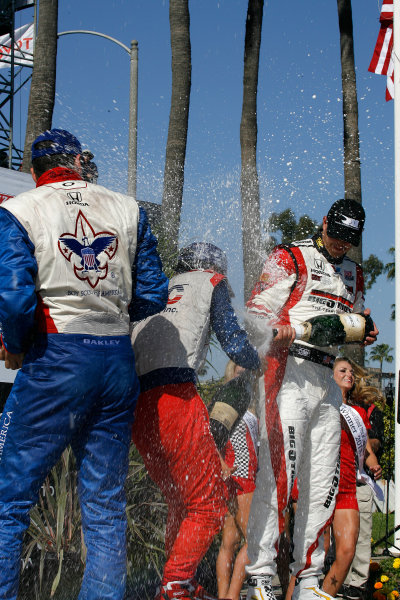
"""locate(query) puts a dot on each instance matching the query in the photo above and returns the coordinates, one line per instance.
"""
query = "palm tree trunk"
(43, 85)
(351, 143)
(249, 187)
(177, 132)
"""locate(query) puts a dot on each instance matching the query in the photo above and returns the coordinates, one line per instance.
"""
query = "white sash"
(252, 423)
(360, 436)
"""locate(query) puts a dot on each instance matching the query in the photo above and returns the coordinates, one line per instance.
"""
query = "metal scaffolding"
(18, 60)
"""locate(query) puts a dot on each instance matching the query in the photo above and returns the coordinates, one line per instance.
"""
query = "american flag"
(382, 62)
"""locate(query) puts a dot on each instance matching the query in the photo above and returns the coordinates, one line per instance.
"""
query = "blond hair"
(362, 393)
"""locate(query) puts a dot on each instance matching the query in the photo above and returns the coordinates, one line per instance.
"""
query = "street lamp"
(133, 104)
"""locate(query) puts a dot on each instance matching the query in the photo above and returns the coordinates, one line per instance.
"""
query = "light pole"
(133, 103)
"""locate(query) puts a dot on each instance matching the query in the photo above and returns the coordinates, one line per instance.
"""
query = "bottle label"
(303, 331)
(225, 414)
(354, 326)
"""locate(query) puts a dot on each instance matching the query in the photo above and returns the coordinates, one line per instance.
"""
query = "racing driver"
(171, 429)
(76, 262)
(299, 400)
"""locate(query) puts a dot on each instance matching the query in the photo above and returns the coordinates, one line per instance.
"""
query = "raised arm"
(149, 283)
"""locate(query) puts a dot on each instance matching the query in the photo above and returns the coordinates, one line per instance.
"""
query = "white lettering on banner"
(24, 44)
(4, 430)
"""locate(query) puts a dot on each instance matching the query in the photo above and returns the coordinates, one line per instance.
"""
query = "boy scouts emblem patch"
(88, 251)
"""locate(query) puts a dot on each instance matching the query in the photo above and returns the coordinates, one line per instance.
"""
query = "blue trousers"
(79, 390)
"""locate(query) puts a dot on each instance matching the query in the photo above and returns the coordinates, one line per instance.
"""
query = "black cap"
(346, 220)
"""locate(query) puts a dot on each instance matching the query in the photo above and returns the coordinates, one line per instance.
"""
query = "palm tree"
(290, 228)
(381, 353)
(179, 19)
(43, 85)
(389, 269)
(351, 143)
(249, 187)
(390, 266)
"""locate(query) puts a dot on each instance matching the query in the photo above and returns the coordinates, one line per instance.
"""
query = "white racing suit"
(298, 405)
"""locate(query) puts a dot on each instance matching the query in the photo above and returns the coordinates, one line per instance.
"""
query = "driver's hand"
(285, 336)
(372, 335)
(13, 361)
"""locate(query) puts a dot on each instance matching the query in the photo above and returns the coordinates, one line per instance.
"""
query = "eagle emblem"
(88, 251)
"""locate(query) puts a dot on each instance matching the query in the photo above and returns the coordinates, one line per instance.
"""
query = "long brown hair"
(362, 393)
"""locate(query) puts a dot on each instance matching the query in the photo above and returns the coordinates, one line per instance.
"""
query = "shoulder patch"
(216, 278)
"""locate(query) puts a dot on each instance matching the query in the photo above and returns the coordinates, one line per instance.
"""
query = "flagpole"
(396, 59)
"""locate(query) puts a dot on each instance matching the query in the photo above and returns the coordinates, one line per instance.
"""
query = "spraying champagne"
(333, 330)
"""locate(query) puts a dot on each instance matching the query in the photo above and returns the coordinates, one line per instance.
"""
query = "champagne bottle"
(333, 330)
(228, 406)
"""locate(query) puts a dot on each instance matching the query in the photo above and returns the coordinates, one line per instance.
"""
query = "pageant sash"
(360, 436)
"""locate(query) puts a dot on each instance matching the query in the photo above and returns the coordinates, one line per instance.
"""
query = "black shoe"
(353, 593)
(342, 591)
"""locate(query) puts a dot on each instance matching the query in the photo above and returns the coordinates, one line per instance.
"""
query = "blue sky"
(299, 115)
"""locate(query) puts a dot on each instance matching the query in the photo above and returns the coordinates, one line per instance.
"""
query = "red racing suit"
(298, 404)
(171, 429)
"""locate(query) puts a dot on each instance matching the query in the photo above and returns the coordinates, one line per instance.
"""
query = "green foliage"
(385, 579)
(167, 251)
(168, 254)
(381, 353)
(379, 531)
(146, 512)
(390, 274)
(390, 266)
(291, 230)
(55, 538)
(212, 344)
(208, 389)
(387, 458)
(372, 268)
(55, 528)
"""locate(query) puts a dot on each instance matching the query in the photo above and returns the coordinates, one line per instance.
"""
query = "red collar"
(58, 174)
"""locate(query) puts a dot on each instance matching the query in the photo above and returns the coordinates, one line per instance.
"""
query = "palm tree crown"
(381, 353)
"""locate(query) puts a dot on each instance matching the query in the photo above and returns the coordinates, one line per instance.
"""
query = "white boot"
(259, 587)
(307, 588)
